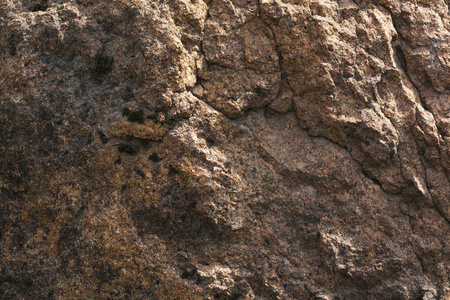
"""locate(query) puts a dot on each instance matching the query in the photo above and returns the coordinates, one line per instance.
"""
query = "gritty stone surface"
(224, 149)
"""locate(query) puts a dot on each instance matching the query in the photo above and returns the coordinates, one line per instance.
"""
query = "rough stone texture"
(224, 149)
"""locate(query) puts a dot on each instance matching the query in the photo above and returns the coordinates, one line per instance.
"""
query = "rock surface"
(224, 149)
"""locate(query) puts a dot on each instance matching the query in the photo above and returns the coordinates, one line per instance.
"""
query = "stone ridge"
(224, 149)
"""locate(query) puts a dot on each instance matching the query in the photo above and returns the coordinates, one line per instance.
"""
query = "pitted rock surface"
(224, 149)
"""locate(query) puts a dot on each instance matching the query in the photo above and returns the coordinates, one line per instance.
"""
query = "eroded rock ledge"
(224, 149)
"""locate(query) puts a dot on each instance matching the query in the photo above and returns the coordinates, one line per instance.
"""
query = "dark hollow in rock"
(128, 148)
(103, 65)
(134, 116)
(154, 158)
(103, 138)
(40, 5)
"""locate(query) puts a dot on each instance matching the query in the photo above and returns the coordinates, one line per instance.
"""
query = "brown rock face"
(224, 149)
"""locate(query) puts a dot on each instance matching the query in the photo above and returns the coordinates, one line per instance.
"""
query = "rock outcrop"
(224, 149)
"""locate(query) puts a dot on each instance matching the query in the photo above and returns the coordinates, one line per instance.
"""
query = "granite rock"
(224, 149)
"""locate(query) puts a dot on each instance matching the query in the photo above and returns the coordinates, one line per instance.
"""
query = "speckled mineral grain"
(225, 149)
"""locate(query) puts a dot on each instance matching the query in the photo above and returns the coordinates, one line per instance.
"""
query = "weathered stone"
(226, 149)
